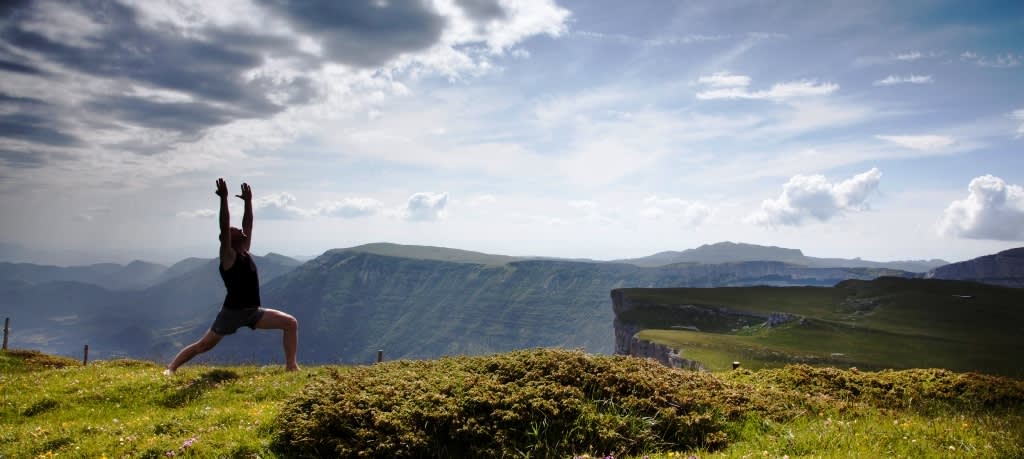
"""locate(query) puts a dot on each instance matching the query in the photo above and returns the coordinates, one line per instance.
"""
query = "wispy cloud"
(689, 213)
(993, 209)
(813, 197)
(930, 143)
(659, 41)
(724, 80)
(1019, 116)
(778, 91)
(909, 79)
(1001, 61)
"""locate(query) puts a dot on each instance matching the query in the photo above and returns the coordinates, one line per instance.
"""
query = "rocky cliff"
(632, 316)
(1005, 268)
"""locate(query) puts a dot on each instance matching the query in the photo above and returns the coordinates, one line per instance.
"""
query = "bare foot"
(292, 368)
(168, 372)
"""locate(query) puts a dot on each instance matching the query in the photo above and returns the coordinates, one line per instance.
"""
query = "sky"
(582, 129)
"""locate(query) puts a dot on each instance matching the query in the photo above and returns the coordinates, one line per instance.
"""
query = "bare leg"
(207, 342)
(277, 320)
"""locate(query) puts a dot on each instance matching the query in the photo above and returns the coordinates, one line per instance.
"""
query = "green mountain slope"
(884, 323)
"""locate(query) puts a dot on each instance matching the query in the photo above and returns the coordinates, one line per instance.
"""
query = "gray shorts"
(229, 321)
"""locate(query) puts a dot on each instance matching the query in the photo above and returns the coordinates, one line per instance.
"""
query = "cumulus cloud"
(993, 209)
(778, 91)
(350, 208)
(919, 142)
(278, 206)
(425, 206)
(898, 79)
(690, 213)
(813, 197)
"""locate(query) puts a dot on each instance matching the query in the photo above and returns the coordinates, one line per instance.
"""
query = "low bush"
(541, 403)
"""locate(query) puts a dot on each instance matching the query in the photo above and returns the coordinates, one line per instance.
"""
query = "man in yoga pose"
(242, 303)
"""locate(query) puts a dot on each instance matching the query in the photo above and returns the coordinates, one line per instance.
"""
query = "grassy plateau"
(878, 324)
(530, 403)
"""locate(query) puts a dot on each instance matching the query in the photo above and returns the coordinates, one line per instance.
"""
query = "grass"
(884, 323)
(540, 403)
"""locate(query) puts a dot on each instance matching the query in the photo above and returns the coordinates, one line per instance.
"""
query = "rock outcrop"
(1005, 268)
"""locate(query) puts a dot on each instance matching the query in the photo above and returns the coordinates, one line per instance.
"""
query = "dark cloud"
(482, 10)
(183, 117)
(364, 33)
(22, 159)
(16, 67)
(35, 129)
(211, 67)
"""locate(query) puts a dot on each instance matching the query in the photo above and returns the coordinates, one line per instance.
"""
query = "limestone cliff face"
(632, 317)
(1005, 268)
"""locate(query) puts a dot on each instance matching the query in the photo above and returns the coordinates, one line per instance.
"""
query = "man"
(242, 304)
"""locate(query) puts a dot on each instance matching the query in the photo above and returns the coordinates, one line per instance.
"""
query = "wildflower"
(952, 448)
(169, 453)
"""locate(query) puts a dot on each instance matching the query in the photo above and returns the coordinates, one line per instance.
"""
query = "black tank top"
(242, 282)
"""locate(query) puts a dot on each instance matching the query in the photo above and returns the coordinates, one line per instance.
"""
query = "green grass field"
(55, 407)
(885, 323)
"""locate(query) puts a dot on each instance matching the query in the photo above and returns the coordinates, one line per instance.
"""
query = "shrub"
(541, 403)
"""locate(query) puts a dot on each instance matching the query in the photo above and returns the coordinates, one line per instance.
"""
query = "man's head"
(238, 237)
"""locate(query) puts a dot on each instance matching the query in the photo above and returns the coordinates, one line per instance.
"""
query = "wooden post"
(380, 355)
(7, 323)
(85, 355)
(735, 365)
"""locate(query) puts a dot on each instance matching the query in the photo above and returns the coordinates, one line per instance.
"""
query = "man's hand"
(246, 193)
(222, 188)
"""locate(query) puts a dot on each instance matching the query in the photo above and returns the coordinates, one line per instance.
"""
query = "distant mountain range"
(410, 301)
(731, 252)
(1004, 268)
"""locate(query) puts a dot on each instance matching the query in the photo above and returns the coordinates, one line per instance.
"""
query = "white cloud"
(724, 80)
(690, 213)
(1002, 61)
(910, 79)
(425, 206)
(993, 209)
(199, 213)
(930, 143)
(1019, 116)
(911, 56)
(483, 200)
(278, 206)
(350, 208)
(778, 91)
(813, 197)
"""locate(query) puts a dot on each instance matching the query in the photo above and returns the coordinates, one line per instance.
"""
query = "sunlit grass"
(54, 407)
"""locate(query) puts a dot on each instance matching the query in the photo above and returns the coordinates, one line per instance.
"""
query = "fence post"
(380, 355)
(7, 323)
(85, 355)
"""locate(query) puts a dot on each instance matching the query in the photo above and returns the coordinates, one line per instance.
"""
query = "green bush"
(541, 403)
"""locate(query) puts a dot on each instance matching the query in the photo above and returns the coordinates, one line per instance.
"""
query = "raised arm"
(227, 254)
(247, 216)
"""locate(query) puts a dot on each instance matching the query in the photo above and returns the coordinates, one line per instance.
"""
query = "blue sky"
(596, 129)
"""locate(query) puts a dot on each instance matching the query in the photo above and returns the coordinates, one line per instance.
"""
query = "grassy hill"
(884, 323)
(539, 403)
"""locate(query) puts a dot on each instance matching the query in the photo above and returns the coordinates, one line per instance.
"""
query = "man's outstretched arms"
(247, 216)
(227, 254)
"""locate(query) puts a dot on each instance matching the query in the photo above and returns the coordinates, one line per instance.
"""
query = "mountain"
(62, 316)
(352, 302)
(1004, 268)
(731, 252)
(413, 302)
(112, 276)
